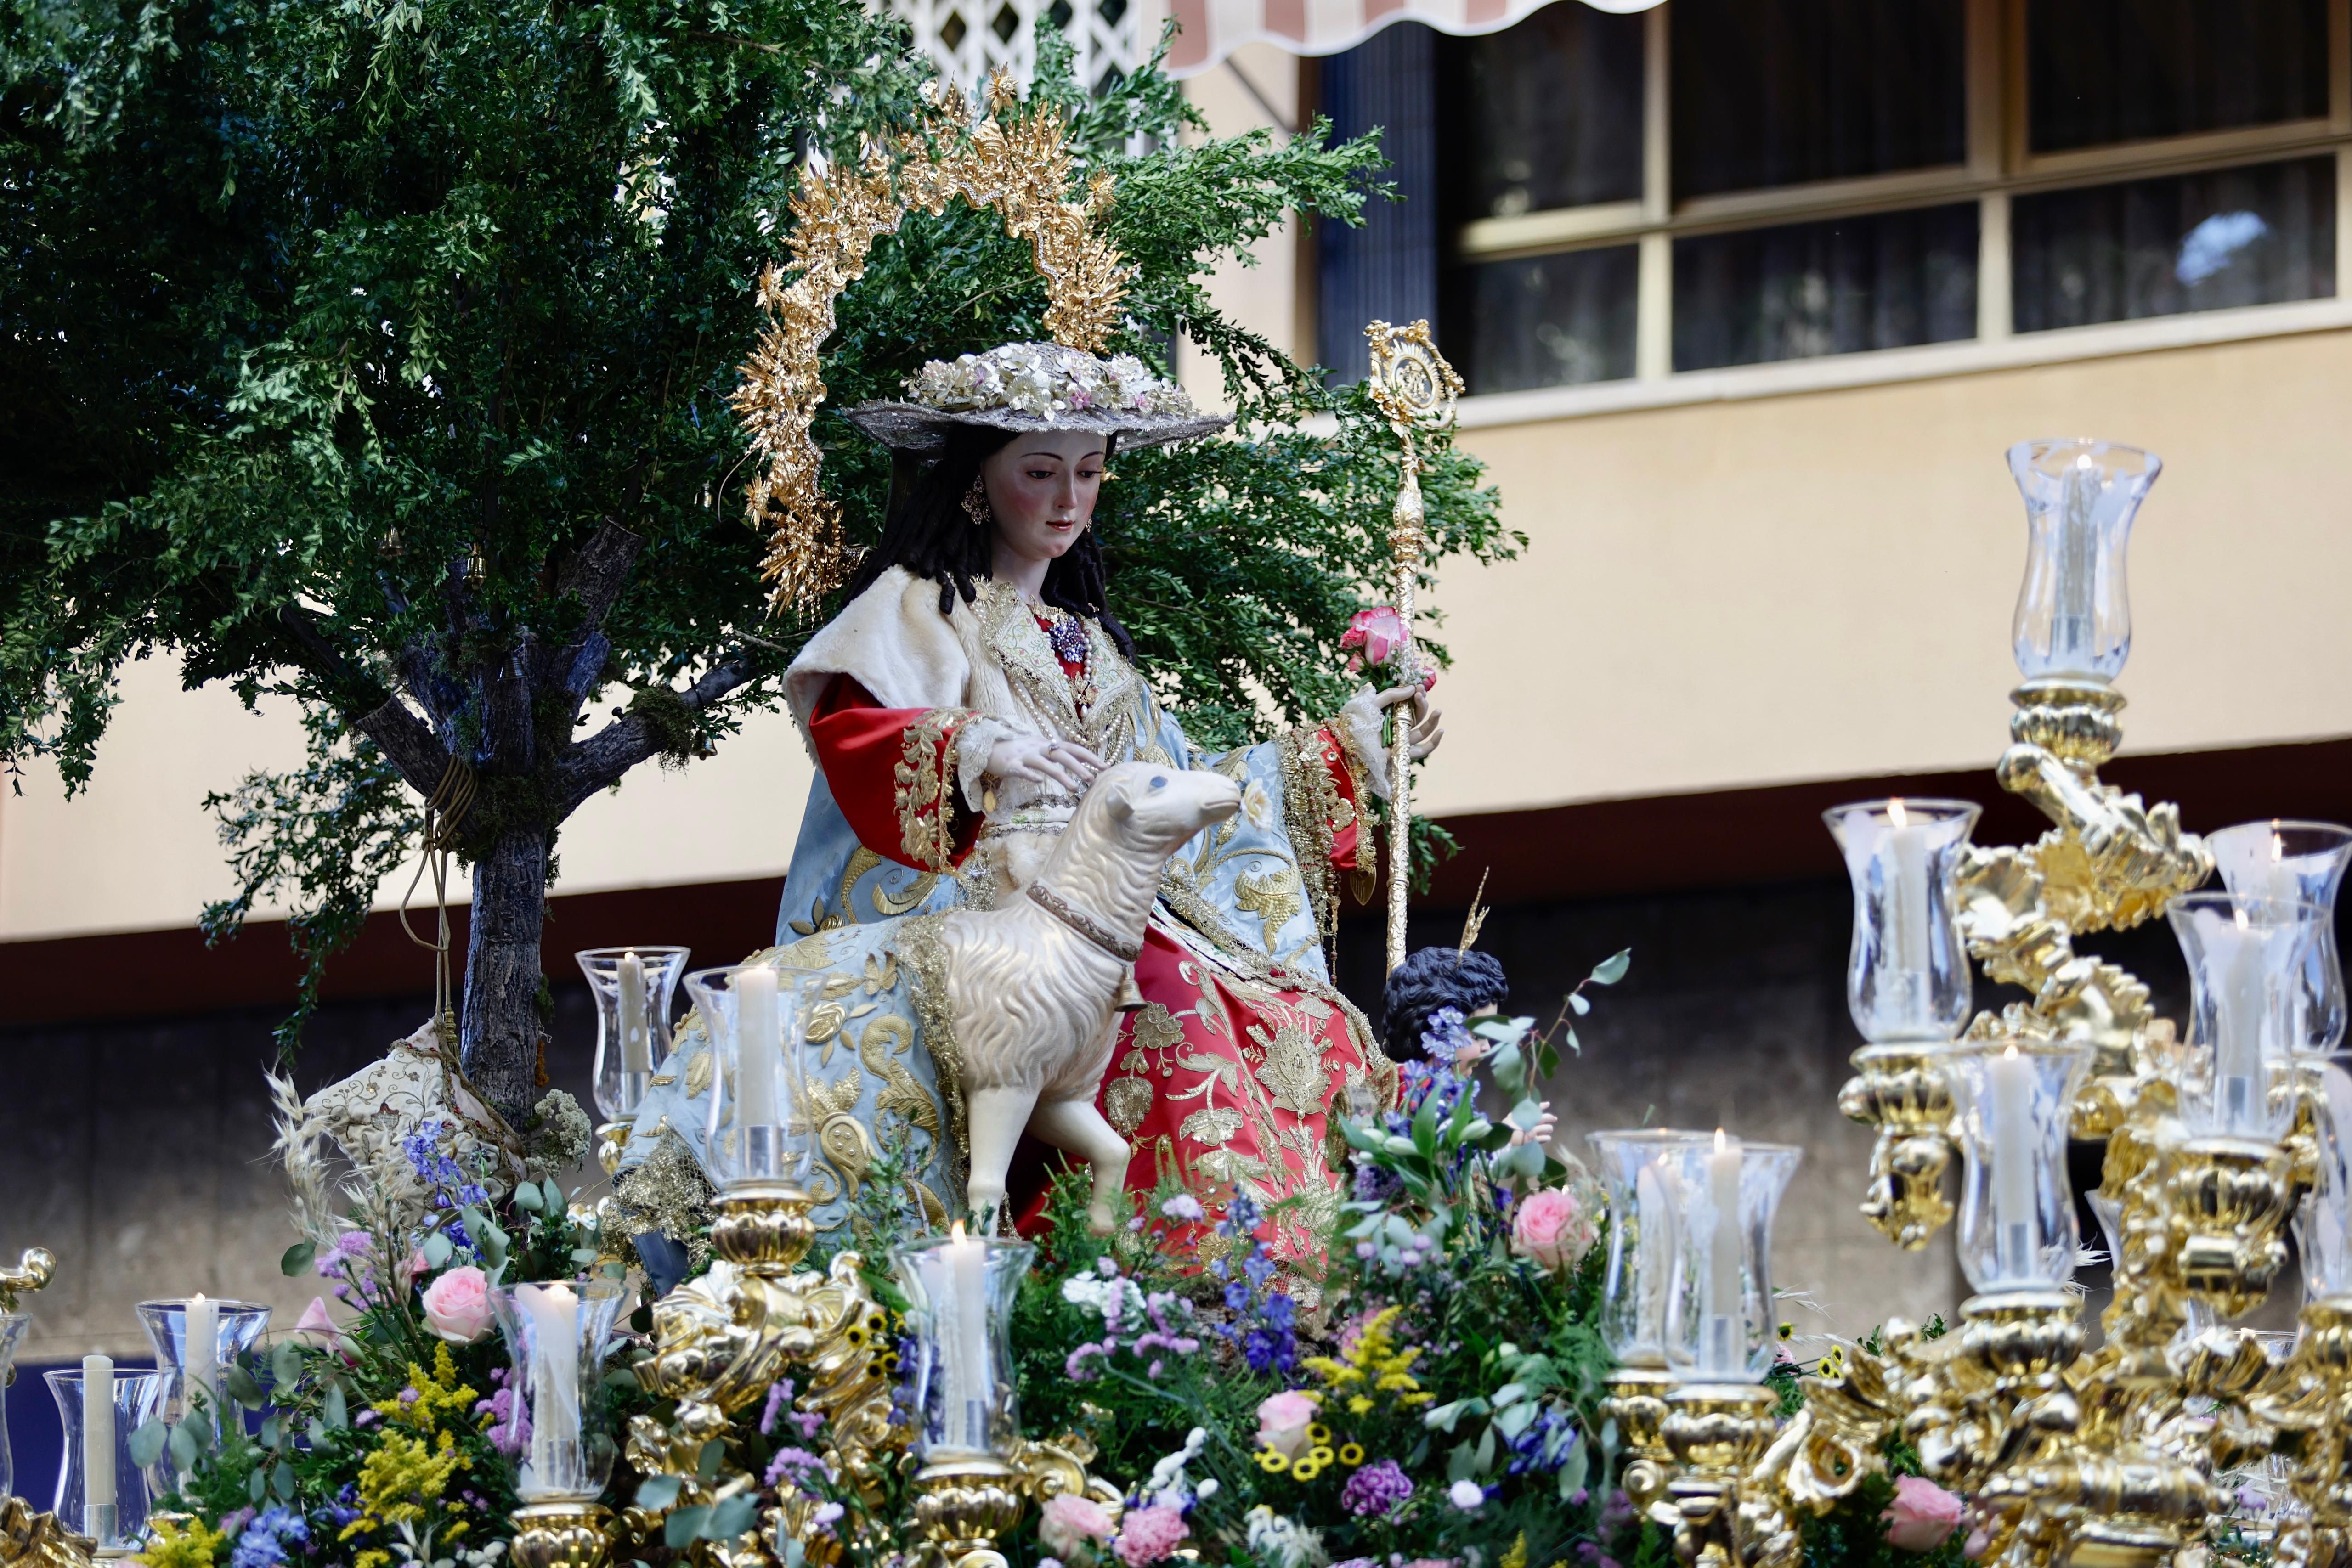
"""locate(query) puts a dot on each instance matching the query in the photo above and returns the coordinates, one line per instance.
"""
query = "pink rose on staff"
(1282, 1422)
(1378, 632)
(1071, 1524)
(1151, 1536)
(1550, 1226)
(1923, 1515)
(457, 1306)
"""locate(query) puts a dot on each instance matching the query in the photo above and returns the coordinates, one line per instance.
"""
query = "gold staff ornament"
(1416, 388)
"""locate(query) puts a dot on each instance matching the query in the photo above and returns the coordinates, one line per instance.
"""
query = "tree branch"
(404, 739)
(318, 654)
(595, 575)
(601, 759)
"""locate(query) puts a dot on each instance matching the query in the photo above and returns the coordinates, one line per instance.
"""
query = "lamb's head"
(1152, 810)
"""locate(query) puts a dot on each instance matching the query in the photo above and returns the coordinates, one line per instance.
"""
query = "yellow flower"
(399, 1480)
(1517, 1557)
(1273, 1461)
(1352, 1454)
(436, 1394)
(372, 1558)
(1306, 1469)
(193, 1546)
(1317, 1433)
(1360, 1405)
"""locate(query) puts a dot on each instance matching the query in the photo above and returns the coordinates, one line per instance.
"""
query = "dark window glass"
(1884, 281)
(2101, 71)
(1775, 92)
(2191, 241)
(1386, 267)
(1544, 321)
(1544, 114)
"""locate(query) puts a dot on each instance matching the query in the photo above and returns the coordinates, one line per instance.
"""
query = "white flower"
(1114, 1298)
(1466, 1495)
(1283, 1542)
(1258, 806)
(1044, 380)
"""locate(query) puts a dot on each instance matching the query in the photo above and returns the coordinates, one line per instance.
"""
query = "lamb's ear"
(1116, 802)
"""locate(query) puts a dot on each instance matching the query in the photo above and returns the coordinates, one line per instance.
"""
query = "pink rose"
(457, 1306)
(314, 1320)
(1550, 1227)
(1071, 1524)
(1151, 1535)
(1923, 1515)
(1282, 1422)
(1378, 632)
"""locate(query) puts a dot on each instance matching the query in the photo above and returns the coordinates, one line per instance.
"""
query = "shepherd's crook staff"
(1416, 388)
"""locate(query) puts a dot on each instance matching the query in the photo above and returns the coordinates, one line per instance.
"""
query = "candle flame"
(955, 1232)
(1896, 815)
(2010, 1055)
(1721, 1142)
(2238, 912)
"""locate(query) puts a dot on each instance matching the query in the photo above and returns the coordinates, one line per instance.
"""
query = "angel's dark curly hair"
(1431, 978)
(930, 533)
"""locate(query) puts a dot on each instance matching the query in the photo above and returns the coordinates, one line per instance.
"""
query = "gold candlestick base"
(1717, 1432)
(1902, 1092)
(961, 1506)
(568, 1534)
(1637, 1403)
(762, 1229)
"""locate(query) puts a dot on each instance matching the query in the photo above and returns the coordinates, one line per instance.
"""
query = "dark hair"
(1431, 978)
(929, 532)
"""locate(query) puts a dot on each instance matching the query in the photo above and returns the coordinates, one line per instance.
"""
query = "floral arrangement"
(1428, 1397)
(1047, 380)
(389, 1432)
(1378, 639)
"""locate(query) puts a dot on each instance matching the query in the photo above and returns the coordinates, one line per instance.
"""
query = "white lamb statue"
(1033, 983)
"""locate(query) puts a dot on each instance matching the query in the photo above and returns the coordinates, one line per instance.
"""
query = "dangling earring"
(975, 504)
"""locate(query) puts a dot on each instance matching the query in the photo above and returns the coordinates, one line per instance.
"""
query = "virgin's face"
(1042, 489)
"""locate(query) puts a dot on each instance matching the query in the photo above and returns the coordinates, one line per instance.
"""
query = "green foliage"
(338, 333)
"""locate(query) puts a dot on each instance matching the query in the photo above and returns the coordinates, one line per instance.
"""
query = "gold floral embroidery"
(1311, 811)
(1214, 1127)
(926, 795)
(1127, 1102)
(1272, 897)
(1292, 1070)
(1156, 1028)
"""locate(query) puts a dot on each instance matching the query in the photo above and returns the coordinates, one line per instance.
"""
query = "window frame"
(1998, 167)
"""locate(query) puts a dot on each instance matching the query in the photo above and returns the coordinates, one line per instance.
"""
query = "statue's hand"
(1362, 714)
(1043, 761)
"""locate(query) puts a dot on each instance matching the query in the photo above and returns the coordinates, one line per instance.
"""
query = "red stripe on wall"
(1286, 19)
(1191, 50)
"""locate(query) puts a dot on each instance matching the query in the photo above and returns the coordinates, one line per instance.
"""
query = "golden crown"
(1021, 169)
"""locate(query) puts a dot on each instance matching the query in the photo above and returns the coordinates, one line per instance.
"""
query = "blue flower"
(262, 1543)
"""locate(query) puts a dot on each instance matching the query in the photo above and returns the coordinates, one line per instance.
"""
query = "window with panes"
(1593, 197)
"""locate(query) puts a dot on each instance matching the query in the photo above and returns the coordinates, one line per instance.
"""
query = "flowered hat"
(1037, 386)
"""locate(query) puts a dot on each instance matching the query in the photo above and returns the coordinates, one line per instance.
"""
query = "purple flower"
(1377, 1491)
(797, 1467)
(778, 1391)
(509, 1422)
(1184, 1207)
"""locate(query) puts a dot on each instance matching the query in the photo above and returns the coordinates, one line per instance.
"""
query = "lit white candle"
(555, 1458)
(1654, 1253)
(965, 1340)
(1912, 897)
(1723, 1351)
(203, 1350)
(636, 1044)
(2238, 1053)
(2072, 627)
(2012, 1166)
(98, 1446)
(758, 1040)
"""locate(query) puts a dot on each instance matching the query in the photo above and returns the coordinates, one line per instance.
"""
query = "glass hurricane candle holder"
(1720, 1325)
(12, 1334)
(755, 1015)
(1906, 976)
(2246, 963)
(102, 1493)
(960, 1289)
(557, 1336)
(634, 987)
(2296, 863)
(237, 1328)
(1638, 1173)
(2074, 610)
(2011, 1101)
(2323, 1226)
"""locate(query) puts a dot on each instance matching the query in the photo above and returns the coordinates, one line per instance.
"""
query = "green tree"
(374, 354)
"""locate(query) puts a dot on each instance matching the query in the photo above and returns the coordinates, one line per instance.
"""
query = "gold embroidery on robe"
(925, 777)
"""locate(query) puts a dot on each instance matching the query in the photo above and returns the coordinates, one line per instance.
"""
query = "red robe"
(1217, 1080)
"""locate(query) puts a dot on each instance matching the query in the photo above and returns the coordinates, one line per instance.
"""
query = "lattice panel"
(970, 38)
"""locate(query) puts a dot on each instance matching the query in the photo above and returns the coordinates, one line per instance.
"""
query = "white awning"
(1208, 30)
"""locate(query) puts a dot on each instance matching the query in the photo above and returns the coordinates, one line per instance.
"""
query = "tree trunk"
(501, 1024)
